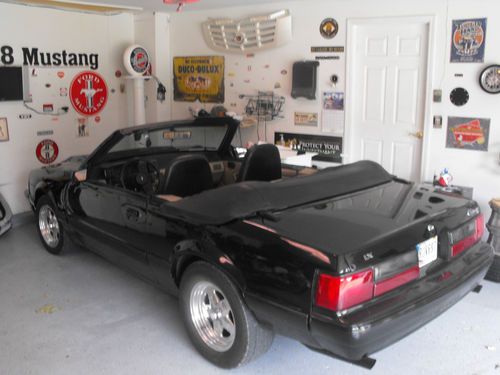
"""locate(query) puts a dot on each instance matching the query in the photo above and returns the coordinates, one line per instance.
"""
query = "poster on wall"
(306, 119)
(199, 78)
(468, 40)
(328, 149)
(468, 133)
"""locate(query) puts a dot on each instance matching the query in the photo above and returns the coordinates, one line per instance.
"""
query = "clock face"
(490, 79)
(459, 96)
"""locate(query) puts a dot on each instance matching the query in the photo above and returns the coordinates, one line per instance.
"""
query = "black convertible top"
(246, 199)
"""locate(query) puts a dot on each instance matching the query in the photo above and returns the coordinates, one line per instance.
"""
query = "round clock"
(490, 79)
(459, 96)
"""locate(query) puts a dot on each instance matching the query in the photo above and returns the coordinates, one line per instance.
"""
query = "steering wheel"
(140, 175)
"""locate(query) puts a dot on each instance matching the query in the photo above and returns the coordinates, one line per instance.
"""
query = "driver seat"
(187, 175)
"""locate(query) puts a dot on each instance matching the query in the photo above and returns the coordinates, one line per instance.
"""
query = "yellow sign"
(199, 78)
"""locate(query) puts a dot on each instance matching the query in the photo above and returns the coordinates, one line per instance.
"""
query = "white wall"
(470, 168)
(54, 31)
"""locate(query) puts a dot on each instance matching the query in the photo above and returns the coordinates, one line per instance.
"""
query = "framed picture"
(4, 130)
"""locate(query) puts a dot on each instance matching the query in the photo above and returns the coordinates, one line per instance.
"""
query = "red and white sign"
(47, 151)
(88, 93)
(60, 74)
(98, 119)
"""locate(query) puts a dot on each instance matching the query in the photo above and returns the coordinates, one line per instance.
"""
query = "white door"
(387, 80)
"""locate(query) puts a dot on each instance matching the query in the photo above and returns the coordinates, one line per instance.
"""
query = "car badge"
(430, 228)
(368, 256)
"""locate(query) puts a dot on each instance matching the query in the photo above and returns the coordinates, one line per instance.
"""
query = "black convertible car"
(347, 260)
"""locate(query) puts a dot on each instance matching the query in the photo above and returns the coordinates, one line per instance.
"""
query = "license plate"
(427, 251)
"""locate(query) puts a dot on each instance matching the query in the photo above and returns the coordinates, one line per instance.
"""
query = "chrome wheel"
(212, 316)
(49, 226)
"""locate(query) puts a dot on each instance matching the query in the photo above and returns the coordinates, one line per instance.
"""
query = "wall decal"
(329, 28)
(60, 74)
(246, 81)
(136, 60)
(47, 151)
(329, 149)
(284, 72)
(468, 133)
(277, 85)
(231, 74)
(97, 119)
(44, 133)
(468, 40)
(199, 78)
(24, 116)
(4, 130)
(63, 91)
(250, 55)
(34, 57)
(118, 73)
(88, 93)
(48, 85)
(306, 119)
(48, 108)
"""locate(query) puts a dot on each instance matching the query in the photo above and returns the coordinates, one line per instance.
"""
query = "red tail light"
(342, 292)
(467, 235)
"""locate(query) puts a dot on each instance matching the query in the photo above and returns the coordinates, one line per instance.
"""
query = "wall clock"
(490, 79)
(459, 96)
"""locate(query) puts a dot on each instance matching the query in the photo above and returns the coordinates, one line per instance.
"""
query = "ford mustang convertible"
(347, 260)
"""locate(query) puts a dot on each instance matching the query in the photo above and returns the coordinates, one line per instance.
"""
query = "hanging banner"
(199, 78)
(468, 133)
(468, 40)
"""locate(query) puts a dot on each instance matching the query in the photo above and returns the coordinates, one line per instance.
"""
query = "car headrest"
(188, 175)
(261, 163)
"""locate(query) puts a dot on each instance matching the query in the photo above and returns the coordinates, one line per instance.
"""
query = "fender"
(189, 251)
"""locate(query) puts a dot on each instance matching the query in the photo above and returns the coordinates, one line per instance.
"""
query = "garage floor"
(78, 314)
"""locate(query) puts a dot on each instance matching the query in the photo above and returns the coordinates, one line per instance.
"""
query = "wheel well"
(38, 194)
(182, 264)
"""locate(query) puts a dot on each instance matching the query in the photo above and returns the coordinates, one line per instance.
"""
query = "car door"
(112, 222)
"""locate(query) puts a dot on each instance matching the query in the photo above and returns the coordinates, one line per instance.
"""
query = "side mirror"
(80, 175)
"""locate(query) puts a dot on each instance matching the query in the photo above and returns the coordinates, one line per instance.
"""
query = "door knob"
(418, 134)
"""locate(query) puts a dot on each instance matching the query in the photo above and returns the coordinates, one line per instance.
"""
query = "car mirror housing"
(80, 175)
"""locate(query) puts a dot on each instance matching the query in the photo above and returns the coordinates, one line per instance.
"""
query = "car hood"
(58, 172)
(390, 213)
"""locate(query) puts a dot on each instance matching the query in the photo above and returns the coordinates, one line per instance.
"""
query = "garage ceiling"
(137, 5)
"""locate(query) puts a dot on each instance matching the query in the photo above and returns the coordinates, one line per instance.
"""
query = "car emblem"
(430, 228)
(368, 256)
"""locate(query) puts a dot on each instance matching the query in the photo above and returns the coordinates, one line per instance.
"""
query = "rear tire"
(49, 227)
(220, 326)
(493, 273)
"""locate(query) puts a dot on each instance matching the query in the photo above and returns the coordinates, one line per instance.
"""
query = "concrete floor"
(78, 314)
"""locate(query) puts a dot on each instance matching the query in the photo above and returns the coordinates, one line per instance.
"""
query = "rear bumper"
(402, 311)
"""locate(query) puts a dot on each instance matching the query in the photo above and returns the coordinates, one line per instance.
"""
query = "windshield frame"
(101, 153)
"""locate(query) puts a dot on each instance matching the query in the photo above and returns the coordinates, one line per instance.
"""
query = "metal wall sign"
(468, 133)
(329, 28)
(199, 78)
(88, 93)
(328, 49)
(468, 40)
(47, 151)
(328, 149)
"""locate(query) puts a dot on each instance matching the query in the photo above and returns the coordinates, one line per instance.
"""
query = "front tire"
(218, 322)
(50, 229)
